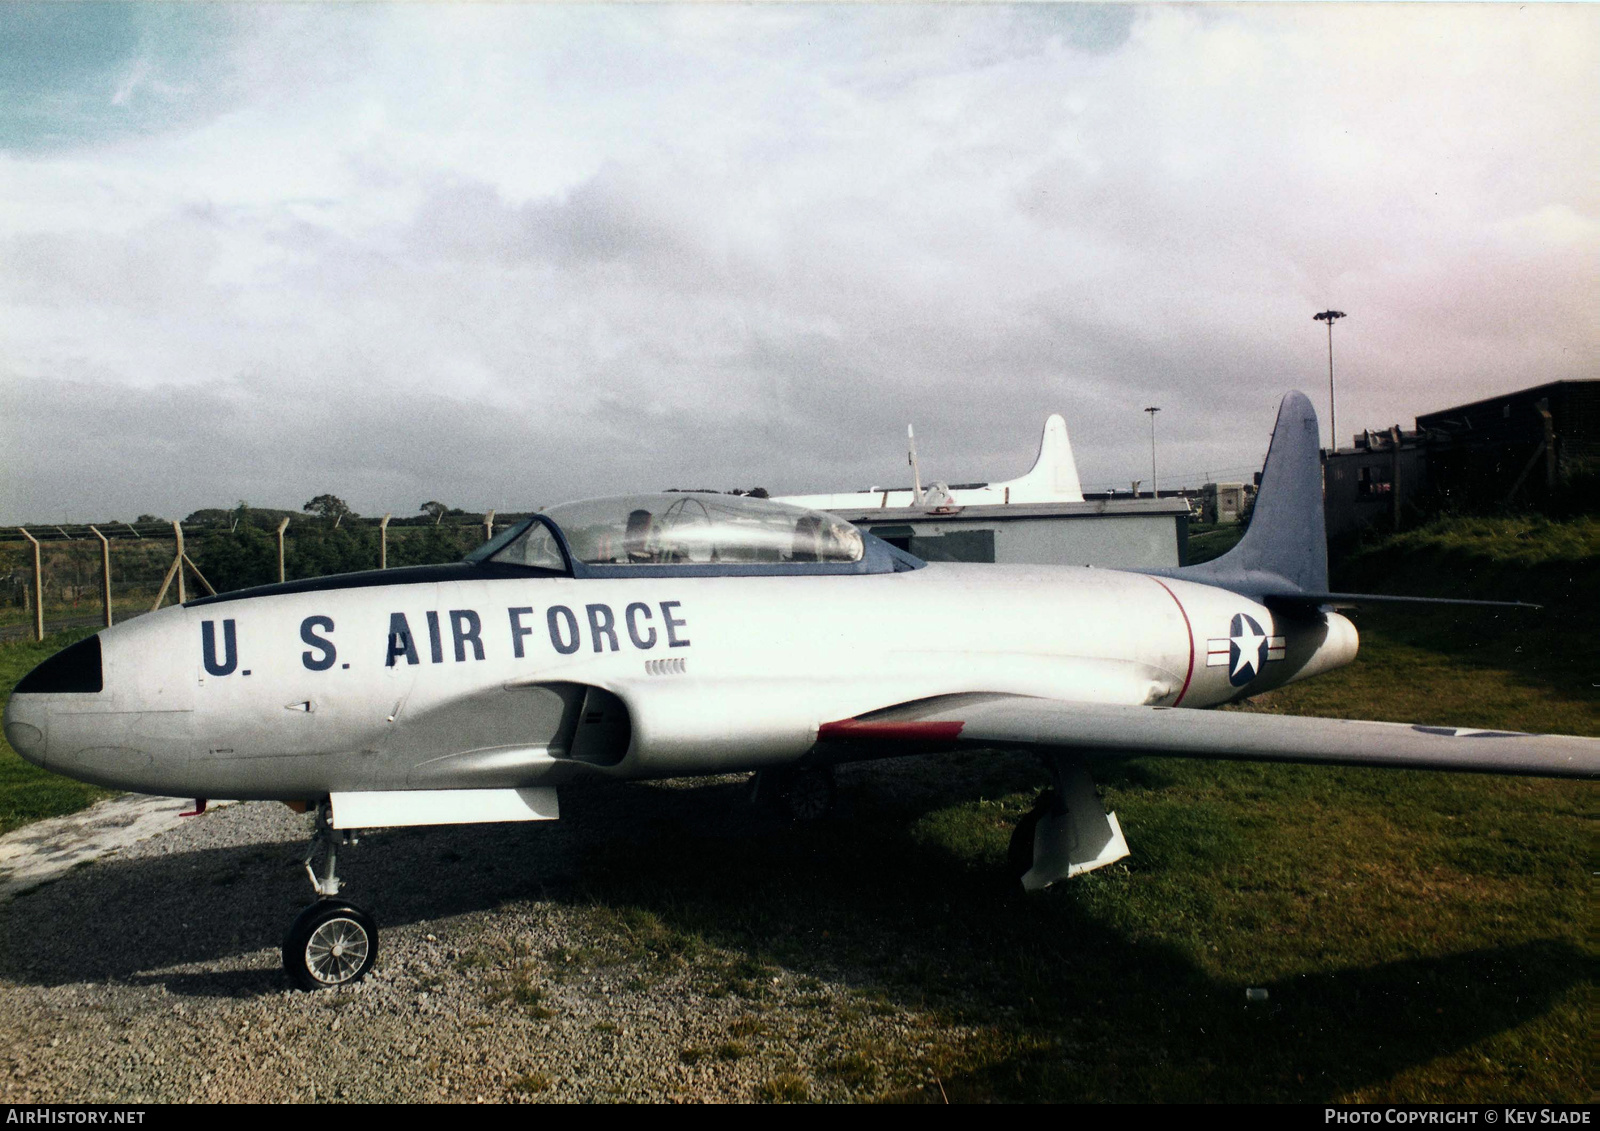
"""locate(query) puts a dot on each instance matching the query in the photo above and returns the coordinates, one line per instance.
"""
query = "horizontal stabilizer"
(1347, 600)
(1108, 730)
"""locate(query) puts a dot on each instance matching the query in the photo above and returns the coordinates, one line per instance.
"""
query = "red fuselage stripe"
(856, 729)
(1189, 632)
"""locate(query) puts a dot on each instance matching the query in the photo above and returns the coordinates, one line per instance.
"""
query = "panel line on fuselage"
(1188, 631)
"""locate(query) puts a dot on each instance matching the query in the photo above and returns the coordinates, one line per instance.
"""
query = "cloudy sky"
(506, 255)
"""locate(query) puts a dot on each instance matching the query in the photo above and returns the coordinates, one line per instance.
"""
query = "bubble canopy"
(688, 534)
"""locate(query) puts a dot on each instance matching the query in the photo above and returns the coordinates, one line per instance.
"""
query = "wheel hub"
(336, 950)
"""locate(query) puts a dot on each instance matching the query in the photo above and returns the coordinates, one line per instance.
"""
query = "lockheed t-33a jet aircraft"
(657, 636)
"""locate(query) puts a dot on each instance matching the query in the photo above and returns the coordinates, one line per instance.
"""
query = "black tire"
(1019, 854)
(330, 944)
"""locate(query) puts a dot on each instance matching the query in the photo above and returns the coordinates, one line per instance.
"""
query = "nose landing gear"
(332, 942)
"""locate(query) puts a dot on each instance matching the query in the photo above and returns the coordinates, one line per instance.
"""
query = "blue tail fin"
(1283, 557)
(1285, 551)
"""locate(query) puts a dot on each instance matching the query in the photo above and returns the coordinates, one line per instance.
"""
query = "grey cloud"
(720, 250)
(609, 218)
(148, 271)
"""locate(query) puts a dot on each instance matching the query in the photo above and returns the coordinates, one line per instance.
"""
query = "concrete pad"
(40, 852)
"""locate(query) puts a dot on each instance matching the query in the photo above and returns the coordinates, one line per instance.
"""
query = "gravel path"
(153, 975)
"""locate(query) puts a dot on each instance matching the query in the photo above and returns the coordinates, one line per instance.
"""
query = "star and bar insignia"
(1245, 650)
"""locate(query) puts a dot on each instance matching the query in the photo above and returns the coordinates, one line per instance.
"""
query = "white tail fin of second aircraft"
(1053, 479)
(1054, 476)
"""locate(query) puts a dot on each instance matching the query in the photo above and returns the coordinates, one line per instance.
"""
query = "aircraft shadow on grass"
(867, 903)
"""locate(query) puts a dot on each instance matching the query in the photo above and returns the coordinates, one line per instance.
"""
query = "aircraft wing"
(1047, 725)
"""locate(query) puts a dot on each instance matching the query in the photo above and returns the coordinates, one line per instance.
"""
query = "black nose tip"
(76, 668)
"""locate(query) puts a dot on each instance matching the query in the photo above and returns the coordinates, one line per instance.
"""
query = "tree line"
(330, 509)
(248, 554)
(245, 553)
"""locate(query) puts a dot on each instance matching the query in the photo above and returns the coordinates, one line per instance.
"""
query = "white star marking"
(1248, 641)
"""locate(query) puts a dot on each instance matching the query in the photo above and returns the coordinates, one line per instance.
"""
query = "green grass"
(86, 613)
(1525, 541)
(28, 793)
(1210, 540)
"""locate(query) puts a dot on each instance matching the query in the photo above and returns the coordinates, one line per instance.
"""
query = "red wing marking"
(889, 731)
(1190, 633)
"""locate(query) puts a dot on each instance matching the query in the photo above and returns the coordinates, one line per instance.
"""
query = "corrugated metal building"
(1518, 447)
(1518, 444)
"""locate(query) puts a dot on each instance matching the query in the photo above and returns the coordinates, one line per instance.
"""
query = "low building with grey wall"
(1124, 533)
(1368, 486)
(1222, 502)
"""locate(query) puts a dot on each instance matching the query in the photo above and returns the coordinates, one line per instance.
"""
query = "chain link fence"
(69, 591)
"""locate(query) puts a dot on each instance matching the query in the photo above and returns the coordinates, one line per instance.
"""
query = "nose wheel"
(333, 942)
(330, 944)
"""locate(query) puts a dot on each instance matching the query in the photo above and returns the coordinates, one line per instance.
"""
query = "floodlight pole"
(1155, 492)
(1331, 316)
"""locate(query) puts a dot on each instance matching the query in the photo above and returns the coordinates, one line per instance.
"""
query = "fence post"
(166, 583)
(282, 526)
(1550, 465)
(488, 526)
(38, 587)
(177, 562)
(383, 541)
(105, 572)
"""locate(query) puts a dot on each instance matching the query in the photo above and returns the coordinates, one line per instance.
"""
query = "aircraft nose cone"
(76, 669)
(115, 709)
(25, 723)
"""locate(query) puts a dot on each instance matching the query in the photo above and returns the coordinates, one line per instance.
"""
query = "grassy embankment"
(1423, 937)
